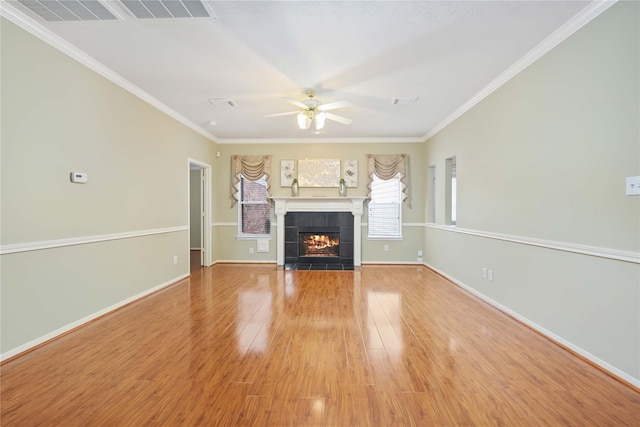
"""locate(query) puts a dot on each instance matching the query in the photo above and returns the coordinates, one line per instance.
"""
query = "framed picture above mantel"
(319, 173)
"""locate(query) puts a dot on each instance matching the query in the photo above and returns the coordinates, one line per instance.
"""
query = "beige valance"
(387, 166)
(252, 168)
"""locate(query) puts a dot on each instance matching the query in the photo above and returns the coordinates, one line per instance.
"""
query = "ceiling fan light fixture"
(320, 118)
(303, 120)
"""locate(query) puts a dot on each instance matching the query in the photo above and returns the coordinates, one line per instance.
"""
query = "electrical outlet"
(419, 252)
(386, 248)
(250, 250)
(484, 272)
(175, 259)
(420, 259)
(490, 274)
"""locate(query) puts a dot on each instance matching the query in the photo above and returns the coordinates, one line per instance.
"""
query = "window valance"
(387, 166)
(252, 168)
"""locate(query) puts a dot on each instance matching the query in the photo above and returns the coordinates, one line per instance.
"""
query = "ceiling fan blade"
(288, 113)
(339, 119)
(297, 103)
(334, 105)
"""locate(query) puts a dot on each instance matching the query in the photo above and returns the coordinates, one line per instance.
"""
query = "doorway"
(199, 214)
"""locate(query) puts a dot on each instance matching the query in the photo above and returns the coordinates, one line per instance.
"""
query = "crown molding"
(31, 26)
(586, 15)
(365, 140)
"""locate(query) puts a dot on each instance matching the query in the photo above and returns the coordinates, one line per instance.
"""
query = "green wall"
(372, 251)
(545, 158)
(58, 116)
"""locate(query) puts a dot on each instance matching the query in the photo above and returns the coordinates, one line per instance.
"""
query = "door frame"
(205, 196)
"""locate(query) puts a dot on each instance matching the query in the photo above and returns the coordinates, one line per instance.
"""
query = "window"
(254, 210)
(385, 208)
(431, 193)
(451, 191)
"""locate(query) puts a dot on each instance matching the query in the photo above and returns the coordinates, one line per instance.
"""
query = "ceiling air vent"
(223, 102)
(406, 100)
(69, 10)
(168, 9)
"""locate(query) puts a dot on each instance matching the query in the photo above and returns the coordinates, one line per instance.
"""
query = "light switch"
(633, 186)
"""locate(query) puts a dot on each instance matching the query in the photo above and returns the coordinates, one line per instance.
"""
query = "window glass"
(254, 210)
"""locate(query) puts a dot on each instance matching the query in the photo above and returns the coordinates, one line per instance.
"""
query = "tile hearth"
(331, 267)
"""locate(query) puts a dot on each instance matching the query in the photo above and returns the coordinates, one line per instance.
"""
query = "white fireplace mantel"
(355, 205)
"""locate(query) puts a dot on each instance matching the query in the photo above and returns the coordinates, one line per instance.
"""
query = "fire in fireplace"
(320, 244)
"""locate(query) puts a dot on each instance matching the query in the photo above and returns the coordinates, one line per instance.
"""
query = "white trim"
(83, 240)
(360, 140)
(207, 209)
(617, 255)
(385, 262)
(80, 322)
(553, 337)
(254, 236)
(355, 205)
(226, 224)
(33, 27)
(235, 261)
(582, 18)
(413, 224)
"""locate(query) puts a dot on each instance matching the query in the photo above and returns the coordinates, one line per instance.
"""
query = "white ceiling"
(366, 52)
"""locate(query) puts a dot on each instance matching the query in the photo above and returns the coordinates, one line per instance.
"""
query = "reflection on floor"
(294, 266)
(251, 345)
(195, 263)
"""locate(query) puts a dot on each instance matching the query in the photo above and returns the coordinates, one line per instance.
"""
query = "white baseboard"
(51, 335)
(597, 361)
(392, 263)
(236, 261)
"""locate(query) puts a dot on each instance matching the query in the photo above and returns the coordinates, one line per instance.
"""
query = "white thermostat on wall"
(79, 177)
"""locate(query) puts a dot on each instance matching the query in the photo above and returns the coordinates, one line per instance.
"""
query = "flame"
(319, 242)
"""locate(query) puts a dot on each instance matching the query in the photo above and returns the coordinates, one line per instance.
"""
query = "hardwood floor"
(253, 346)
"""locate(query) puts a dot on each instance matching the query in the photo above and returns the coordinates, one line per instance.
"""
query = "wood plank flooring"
(239, 345)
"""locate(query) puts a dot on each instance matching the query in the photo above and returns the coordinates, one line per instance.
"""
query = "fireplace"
(319, 238)
(349, 209)
(319, 244)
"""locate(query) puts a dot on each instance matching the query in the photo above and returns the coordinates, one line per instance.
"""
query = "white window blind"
(385, 208)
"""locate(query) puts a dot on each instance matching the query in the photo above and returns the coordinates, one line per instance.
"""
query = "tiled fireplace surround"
(322, 211)
(339, 223)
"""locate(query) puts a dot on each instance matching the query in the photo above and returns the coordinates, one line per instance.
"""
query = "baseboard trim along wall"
(78, 323)
(235, 261)
(623, 376)
(624, 256)
(83, 240)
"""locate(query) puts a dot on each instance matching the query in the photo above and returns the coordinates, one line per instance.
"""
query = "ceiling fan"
(312, 111)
